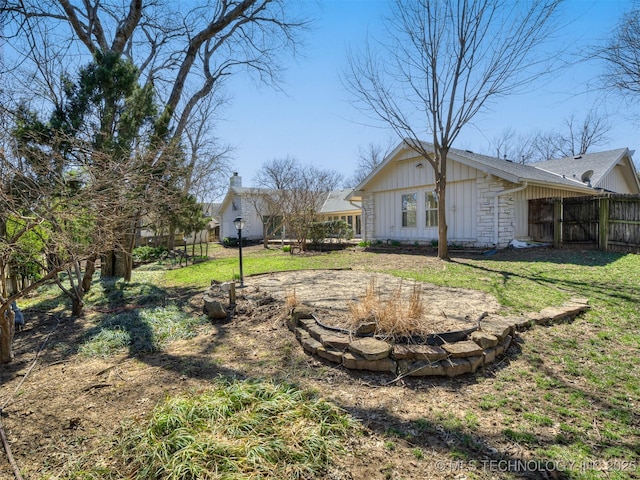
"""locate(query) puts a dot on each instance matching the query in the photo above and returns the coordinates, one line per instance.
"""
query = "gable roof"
(594, 166)
(511, 171)
(336, 202)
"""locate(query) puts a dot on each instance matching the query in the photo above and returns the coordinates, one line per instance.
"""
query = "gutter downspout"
(496, 216)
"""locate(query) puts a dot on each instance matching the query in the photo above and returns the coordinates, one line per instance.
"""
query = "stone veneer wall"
(482, 347)
(369, 209)
(487, 188)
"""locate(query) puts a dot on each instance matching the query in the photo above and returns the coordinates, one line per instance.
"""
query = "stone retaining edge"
(483, 347)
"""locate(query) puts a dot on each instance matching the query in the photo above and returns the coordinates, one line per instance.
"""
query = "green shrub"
(146, 254)
(319, 232)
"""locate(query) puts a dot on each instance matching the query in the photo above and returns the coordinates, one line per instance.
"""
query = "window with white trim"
(409, 209)
(431, 208)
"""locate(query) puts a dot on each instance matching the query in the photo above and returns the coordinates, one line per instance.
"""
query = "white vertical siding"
(616, 181)
(460, 203)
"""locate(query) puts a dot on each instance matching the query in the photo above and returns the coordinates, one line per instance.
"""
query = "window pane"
(409, 207)
(431, 207)
(409, 202)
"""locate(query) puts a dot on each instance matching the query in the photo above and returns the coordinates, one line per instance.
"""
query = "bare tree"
(621, 55)
(512, 146)
(369, 158)
(298, 191)
(576, 138)
(442, 62)
(267, 205)
(580, 137)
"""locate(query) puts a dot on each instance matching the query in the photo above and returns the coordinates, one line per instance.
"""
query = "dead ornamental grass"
(395, 316)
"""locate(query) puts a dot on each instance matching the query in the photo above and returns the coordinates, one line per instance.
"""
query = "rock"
(489, 356)
(504, 345)
(422, 368)
(579, 301)
(301, 333)
(419, 352)
(462, 349)
(455, 366)
(329, 353)
(370, 348)
(552, 315)
(307, 322)
(366, 328)
(336, 340)
(497, 327)
(475, 362)
(317, 332)
(353, 361)
(484, 340)
(310, 344)
(214, 309)
(525, 322)
(301, 312)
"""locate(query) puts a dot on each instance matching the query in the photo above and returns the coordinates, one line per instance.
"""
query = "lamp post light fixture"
(239, 224)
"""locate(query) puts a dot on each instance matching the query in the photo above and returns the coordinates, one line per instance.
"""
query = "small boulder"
(214, 309)
(484, 340)
(366, 328)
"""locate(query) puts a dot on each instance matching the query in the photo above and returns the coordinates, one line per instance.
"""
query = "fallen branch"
(7, 449)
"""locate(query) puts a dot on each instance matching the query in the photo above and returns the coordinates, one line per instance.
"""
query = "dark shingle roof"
(517, 172)
(574, 167)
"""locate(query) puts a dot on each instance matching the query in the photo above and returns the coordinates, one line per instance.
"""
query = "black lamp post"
(239, 224)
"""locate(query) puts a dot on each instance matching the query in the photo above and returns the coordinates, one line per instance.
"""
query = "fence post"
(557, 222)
(603, 223)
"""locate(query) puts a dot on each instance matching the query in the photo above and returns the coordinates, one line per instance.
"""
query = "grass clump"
(395, 316)
(239, 430)
(140, 330)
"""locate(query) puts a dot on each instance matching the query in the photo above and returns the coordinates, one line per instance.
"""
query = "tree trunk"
(89, 269)
(441, 188)
(265, 237)
(7, 330)
(76, 306)
(116, 263)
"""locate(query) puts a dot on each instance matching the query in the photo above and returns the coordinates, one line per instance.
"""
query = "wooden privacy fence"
(607, 222)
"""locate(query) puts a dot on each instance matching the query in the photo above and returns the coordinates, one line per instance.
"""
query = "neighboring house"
(337, 207)
(253, 204)
(242, 202)
(486, 198)
(212, 232)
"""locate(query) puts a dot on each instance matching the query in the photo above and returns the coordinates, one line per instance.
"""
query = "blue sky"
(314, 121)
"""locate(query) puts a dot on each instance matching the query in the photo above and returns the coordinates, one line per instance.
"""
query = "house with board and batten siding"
(486, 197)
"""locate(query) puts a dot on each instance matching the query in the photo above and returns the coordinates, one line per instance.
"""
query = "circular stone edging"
(481, 347)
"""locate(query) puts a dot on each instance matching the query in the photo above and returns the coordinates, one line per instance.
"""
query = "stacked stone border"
(481, 347)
